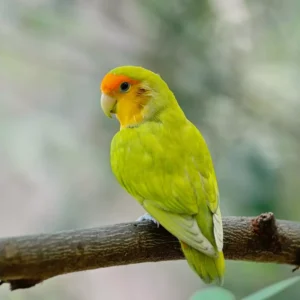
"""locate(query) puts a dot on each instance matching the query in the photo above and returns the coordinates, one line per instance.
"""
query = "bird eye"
(124, 87)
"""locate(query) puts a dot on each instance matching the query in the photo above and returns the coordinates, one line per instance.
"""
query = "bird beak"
(108, 104)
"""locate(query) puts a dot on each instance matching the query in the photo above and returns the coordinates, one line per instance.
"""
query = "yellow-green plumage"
(165, 164)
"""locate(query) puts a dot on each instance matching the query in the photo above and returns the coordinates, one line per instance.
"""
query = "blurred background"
(234, 68)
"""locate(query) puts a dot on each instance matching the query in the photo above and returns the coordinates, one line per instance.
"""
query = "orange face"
(125, 97)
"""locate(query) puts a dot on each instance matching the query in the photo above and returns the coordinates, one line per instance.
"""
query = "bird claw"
(147, 217)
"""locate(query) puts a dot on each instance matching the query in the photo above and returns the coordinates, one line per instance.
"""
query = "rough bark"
(28, 260)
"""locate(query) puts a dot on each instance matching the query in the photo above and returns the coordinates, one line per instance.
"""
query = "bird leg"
(147, 217)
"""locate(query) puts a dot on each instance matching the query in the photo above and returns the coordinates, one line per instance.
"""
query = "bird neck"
(130, 115)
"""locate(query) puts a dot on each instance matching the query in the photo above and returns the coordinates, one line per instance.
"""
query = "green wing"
(172, 176)
(184, 227)
(211, 192)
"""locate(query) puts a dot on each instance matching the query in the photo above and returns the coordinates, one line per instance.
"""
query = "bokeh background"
(234, 67)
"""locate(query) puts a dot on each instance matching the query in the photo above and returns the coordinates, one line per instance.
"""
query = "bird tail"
(210, 269)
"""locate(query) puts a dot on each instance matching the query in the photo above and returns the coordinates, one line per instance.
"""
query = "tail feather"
(210, 269)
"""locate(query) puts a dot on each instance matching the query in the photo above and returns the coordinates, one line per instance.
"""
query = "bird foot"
(147, 217)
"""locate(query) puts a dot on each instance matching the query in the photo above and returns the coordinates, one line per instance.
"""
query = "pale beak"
(108, 104)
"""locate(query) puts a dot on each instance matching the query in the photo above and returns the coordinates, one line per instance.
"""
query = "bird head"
(134, 95)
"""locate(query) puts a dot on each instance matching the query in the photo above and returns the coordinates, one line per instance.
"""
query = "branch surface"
(28, 260)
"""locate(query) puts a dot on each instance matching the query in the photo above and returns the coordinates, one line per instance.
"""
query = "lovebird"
(160, 158)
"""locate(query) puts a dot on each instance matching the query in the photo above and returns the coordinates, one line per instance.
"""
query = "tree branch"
(28, 260)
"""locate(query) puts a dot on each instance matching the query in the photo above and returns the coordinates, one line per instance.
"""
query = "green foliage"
(223, 294)
(273, 289)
